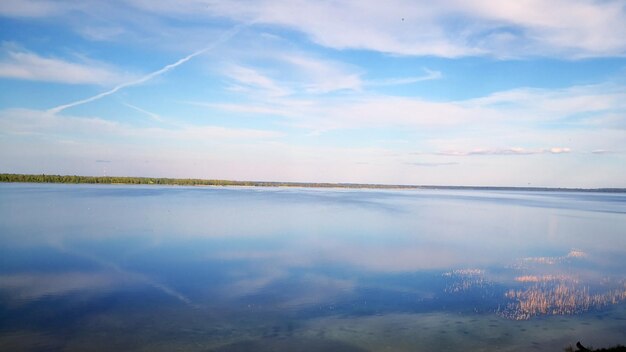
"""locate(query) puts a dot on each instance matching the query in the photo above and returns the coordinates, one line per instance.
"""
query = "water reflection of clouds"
(184, 213)
(281, 289)
(317, 289)
(398, 257)
(30, 287)
(250, 282)
(310, 246)
(401, 258)
(491, 224)
(583, 201)
(34, 286)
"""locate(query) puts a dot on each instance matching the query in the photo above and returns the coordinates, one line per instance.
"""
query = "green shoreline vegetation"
(73, 179)
(174, 181)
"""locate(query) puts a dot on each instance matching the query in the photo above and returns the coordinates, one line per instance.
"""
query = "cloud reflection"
(34, 286)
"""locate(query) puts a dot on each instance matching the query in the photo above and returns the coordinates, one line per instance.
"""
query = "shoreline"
(162, 181)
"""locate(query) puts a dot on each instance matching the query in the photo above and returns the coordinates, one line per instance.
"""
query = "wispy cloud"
(319, 76)
(548, 104)
(252, 81)
(430, 75)
(593, 106)
(17, 63)
(33, 122)
(244, 108)
(33, 8)
(152, 115)
(604, 151)
(505, 151)
(432, 164)
(582, 29)
(299, 74)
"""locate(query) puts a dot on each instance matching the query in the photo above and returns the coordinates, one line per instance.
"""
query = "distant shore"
(73, 179)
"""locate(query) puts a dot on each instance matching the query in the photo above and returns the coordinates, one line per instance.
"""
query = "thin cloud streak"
(152, 115)
(249, 80)
(505, 151)
(226, 36)
(25, 65)
(429, 76)
(433, 164)
(38, 123)
(531, 107)
(605, 152)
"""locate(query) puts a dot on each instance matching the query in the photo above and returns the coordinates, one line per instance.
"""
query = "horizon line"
(191, 181)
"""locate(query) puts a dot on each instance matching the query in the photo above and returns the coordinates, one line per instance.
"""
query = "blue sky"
(405, 92)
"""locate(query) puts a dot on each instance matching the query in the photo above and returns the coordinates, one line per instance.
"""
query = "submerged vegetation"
(43, 178)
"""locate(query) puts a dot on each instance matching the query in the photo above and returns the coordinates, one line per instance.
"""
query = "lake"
(156, 268)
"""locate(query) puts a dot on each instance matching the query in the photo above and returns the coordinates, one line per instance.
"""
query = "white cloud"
(449, 28)
(21, 64)
(32, 8)
(250, 80)
(152, 115)
(583, 28)
(195, 7)
(505, 151)
(428, 76)
(323, 76)
(33, 122)
(102, 33)
(352, 24)
(509, 123)
(604, 151)
(243, 108)
(432, 164)
(557, 150)
(210, 133)
(366, 111)
(293, 73)
(596, 106)
(548, 104)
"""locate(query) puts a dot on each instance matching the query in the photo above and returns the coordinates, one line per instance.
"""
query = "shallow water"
(140, 268)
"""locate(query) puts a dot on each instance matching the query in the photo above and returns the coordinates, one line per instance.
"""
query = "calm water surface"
(139, 268)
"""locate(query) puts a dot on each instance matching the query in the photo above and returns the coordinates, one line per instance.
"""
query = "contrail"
(151, 114)
(224, 37)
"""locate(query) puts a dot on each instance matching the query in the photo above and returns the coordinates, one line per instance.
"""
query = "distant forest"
(174, 181)
(203, 182)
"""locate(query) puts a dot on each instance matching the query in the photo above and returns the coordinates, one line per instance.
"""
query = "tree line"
(43, 178)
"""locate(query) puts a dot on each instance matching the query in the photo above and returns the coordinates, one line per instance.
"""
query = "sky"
(475, 92)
